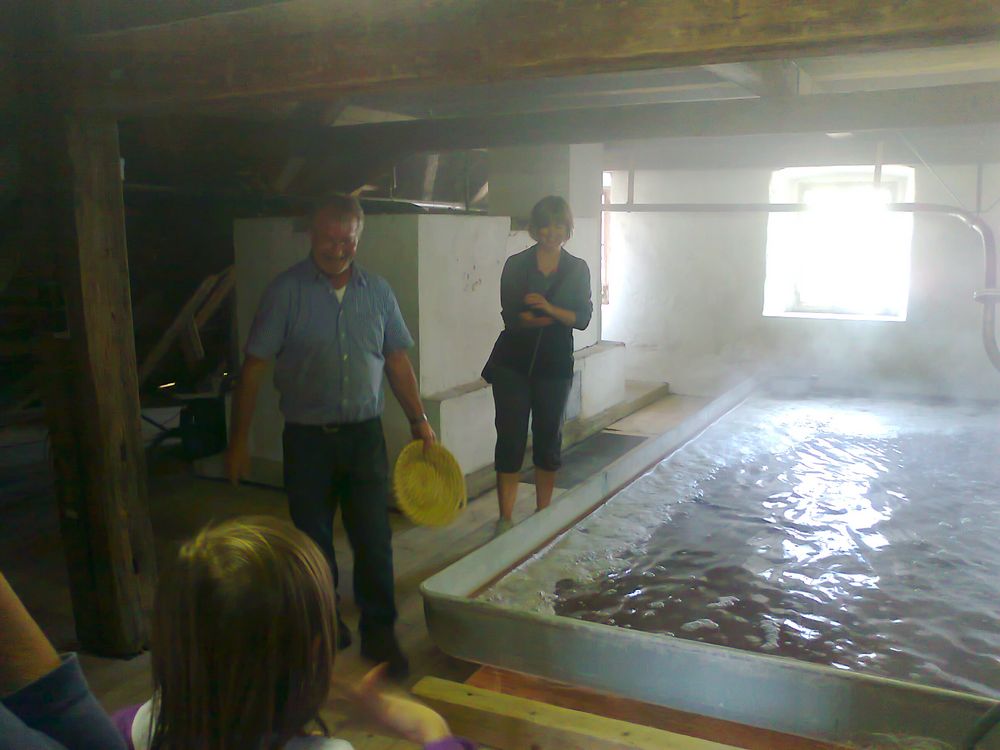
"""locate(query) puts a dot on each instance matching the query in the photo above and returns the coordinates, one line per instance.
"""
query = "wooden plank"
(322, 47)
(177, 327)
(430, 176)
(99, 311)
(225, 284)
(625, 709)
(191, 346)
(510, 723)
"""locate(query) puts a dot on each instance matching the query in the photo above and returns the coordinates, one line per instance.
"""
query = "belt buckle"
(330, 428)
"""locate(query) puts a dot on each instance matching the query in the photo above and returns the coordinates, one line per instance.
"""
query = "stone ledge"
(478, 384)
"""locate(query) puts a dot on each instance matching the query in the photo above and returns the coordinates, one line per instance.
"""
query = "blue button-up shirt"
(329, 355)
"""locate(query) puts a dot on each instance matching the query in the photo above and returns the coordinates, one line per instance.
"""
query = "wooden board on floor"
(508, 722)
(637, 712)
(660, 416)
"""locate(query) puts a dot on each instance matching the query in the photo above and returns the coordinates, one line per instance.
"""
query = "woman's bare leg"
(545, 482)
(507, 493)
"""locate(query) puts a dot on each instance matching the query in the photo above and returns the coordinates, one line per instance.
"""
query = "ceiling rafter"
(319, 48)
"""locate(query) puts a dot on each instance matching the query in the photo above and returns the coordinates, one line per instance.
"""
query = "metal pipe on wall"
(988, 297)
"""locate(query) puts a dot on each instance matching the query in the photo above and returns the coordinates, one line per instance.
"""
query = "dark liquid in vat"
(876, 554)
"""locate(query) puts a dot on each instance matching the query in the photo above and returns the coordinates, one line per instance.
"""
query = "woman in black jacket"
(544, 295)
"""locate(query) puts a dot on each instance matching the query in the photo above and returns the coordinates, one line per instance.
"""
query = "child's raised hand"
(411, 720)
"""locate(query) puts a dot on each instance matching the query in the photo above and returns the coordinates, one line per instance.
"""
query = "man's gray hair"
(340, 205)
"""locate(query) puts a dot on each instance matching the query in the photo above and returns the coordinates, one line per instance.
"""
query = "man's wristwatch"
(418, 420)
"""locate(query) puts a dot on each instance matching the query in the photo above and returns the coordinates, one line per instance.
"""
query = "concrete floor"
(180, 503)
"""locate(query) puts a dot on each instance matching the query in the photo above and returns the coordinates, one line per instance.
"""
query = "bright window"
(847, 256)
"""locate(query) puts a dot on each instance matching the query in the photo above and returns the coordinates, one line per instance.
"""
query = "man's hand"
(237, 457)
(403, 382)
(411, 720)
(422, 430)
(537, 302)
(237, 460)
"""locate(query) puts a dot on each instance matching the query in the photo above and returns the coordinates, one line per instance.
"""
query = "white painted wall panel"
(687, 293)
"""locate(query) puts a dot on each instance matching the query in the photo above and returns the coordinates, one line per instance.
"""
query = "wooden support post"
(106, 421)
(57, 381)
(71, 193)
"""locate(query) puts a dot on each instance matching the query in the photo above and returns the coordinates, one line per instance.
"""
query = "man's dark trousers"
(346, 466)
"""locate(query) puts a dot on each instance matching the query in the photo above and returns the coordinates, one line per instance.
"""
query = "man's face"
(334, 242)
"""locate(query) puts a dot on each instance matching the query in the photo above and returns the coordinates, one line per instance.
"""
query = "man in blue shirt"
(333, 329)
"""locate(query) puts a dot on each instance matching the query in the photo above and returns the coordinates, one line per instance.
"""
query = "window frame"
(791, 185)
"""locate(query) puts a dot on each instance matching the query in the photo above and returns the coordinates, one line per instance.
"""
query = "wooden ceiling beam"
(939, 106)
(317, 48)
(351, 155)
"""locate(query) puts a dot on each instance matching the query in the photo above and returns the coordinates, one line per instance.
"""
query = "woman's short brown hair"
(243, 638)
(552, 209)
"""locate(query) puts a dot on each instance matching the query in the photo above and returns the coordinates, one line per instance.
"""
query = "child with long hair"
(243, 650)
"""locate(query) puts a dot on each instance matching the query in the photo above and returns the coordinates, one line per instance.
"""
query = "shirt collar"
(563, 252)
(358, 276)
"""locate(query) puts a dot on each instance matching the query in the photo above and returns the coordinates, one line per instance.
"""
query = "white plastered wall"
(687, 294)
(445, 272)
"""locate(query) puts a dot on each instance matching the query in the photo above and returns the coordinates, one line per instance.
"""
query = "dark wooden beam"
(906, 108)
(71, 194)
(107, 425)
(344, 158)
(324, 47)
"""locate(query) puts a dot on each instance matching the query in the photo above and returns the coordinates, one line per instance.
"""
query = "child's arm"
(45, 693)
(406, 717)
(25, 653)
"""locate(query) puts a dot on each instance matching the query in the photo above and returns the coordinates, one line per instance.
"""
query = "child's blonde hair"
(243, 638)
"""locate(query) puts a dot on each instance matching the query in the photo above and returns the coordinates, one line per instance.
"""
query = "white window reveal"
(605, 237)
(847, 256)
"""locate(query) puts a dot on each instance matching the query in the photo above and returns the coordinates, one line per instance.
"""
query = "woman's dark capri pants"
(515, 397)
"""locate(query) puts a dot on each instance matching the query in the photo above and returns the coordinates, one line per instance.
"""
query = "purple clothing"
(123, 719)
(57, 712)
(451, 743)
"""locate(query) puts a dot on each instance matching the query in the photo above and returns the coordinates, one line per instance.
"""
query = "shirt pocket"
(367, 336)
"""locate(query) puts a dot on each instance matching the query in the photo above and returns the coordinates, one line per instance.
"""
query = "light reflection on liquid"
(848, 533)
